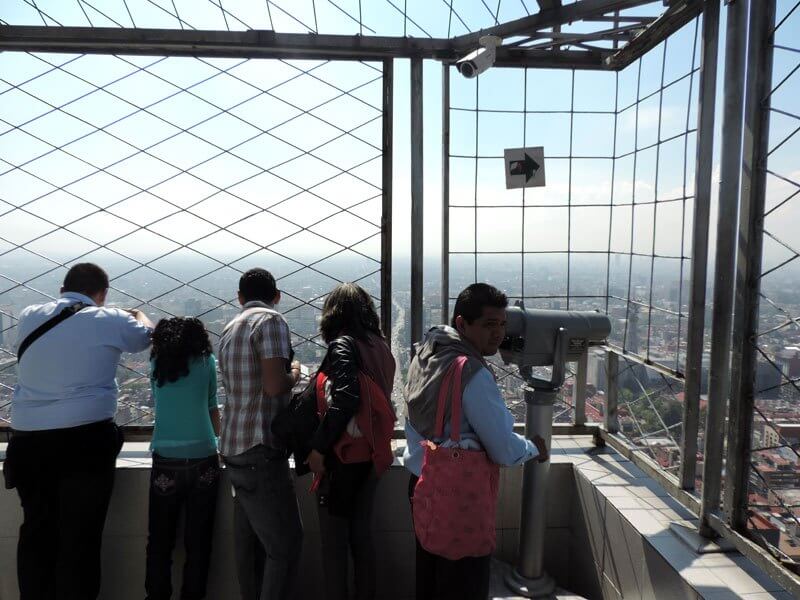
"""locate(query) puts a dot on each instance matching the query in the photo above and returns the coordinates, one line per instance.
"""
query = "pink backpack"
(455, 498)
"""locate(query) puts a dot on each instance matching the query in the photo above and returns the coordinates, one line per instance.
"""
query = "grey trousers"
(268, 533)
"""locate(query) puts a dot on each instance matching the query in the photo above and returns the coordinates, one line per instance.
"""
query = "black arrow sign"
(527, 167)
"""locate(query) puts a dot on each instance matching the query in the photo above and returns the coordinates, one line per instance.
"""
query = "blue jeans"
(268, 534)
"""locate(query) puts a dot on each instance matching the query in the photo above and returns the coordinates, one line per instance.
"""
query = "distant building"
(789, 361)
(777, 434)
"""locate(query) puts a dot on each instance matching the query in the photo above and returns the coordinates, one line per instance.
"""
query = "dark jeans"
(268, 534)
(342, 535)
(441, 579)
(64, 478)
(176, 484)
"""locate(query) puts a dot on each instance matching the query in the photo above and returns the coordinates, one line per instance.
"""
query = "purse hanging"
(455, 499)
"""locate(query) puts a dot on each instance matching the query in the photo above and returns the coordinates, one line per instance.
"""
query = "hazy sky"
(51, 164)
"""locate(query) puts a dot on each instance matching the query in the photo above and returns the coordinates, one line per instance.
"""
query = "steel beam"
(548, 4)
(579, 389)
(695, 336)
(445, 289)
(551, 59)
(678, 15)
(417, 191)
(748, 280)
(267, 44)
(724, 270)
(244, 44)
(386, 200)
(553, 17)
(612, 391)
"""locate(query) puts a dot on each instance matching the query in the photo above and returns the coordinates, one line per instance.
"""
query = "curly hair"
(176, 341)
(348, 309)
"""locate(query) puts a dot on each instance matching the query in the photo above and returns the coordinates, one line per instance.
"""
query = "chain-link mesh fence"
(176, 175)
(774, 494)
(611, 229)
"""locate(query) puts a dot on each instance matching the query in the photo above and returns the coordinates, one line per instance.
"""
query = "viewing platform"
(609, 535)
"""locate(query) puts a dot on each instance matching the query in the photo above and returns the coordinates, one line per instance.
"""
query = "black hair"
(85, 278)
(474, 298)
(348, 309)
(258, 284)
(176, 341)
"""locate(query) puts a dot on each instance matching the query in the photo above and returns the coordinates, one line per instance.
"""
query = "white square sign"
(524, 167)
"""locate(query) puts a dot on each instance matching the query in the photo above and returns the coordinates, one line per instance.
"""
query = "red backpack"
(369, 434)
(455, 499)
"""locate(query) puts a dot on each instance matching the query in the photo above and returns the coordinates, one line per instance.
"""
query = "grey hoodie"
(432, 357)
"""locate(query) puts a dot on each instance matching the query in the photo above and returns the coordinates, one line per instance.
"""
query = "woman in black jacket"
(351, 327)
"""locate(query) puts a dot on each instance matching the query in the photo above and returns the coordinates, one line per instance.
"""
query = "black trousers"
(441, 579)
(64, 478)
(349, 533)
(175, 485)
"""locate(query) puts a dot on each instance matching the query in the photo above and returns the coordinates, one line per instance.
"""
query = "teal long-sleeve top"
(183, 426)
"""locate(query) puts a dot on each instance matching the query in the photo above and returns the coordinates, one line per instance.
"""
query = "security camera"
(475, 63)
(531, 334)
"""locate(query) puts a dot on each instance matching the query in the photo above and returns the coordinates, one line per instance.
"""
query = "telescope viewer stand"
(529, 578)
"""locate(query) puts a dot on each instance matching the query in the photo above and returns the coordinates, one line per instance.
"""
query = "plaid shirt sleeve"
(272, 338)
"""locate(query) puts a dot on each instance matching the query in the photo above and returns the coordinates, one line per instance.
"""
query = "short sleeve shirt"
(259, 332)
(67, 377)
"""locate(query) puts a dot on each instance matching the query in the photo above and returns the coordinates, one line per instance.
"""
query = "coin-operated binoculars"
(536, 338)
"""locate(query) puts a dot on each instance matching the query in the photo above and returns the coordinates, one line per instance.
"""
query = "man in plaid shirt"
(254, 358)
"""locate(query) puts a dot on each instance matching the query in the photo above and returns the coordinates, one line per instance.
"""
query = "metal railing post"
(724, 269)
(417, 190)
(579, 389)
(386, 200)
(748, 283)
(612, 391)
(445, 290)
(699, 266)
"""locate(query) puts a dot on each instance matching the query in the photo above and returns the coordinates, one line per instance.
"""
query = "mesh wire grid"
(611, 230)
(178, 174)
(774, 492)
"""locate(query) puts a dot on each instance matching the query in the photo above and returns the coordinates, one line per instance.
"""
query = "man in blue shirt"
(62, 454)
(478, 328)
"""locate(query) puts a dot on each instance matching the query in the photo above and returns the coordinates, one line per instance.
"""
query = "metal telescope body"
(532, 335)
(536, 338)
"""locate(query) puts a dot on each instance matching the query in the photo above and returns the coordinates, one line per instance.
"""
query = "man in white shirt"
(62, 453)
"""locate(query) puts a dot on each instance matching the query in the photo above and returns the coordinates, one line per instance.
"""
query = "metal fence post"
(724, 270)
(386, 207)
(445, 290)
(579, 389)
(699, 271)
(417, 190)
(612, 391)
(748, 283)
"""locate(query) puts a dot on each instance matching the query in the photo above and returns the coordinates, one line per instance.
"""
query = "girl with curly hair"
(185, 473)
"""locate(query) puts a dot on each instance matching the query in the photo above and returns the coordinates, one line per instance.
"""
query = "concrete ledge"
(635, 550)
(608, 535)
(125, 534)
